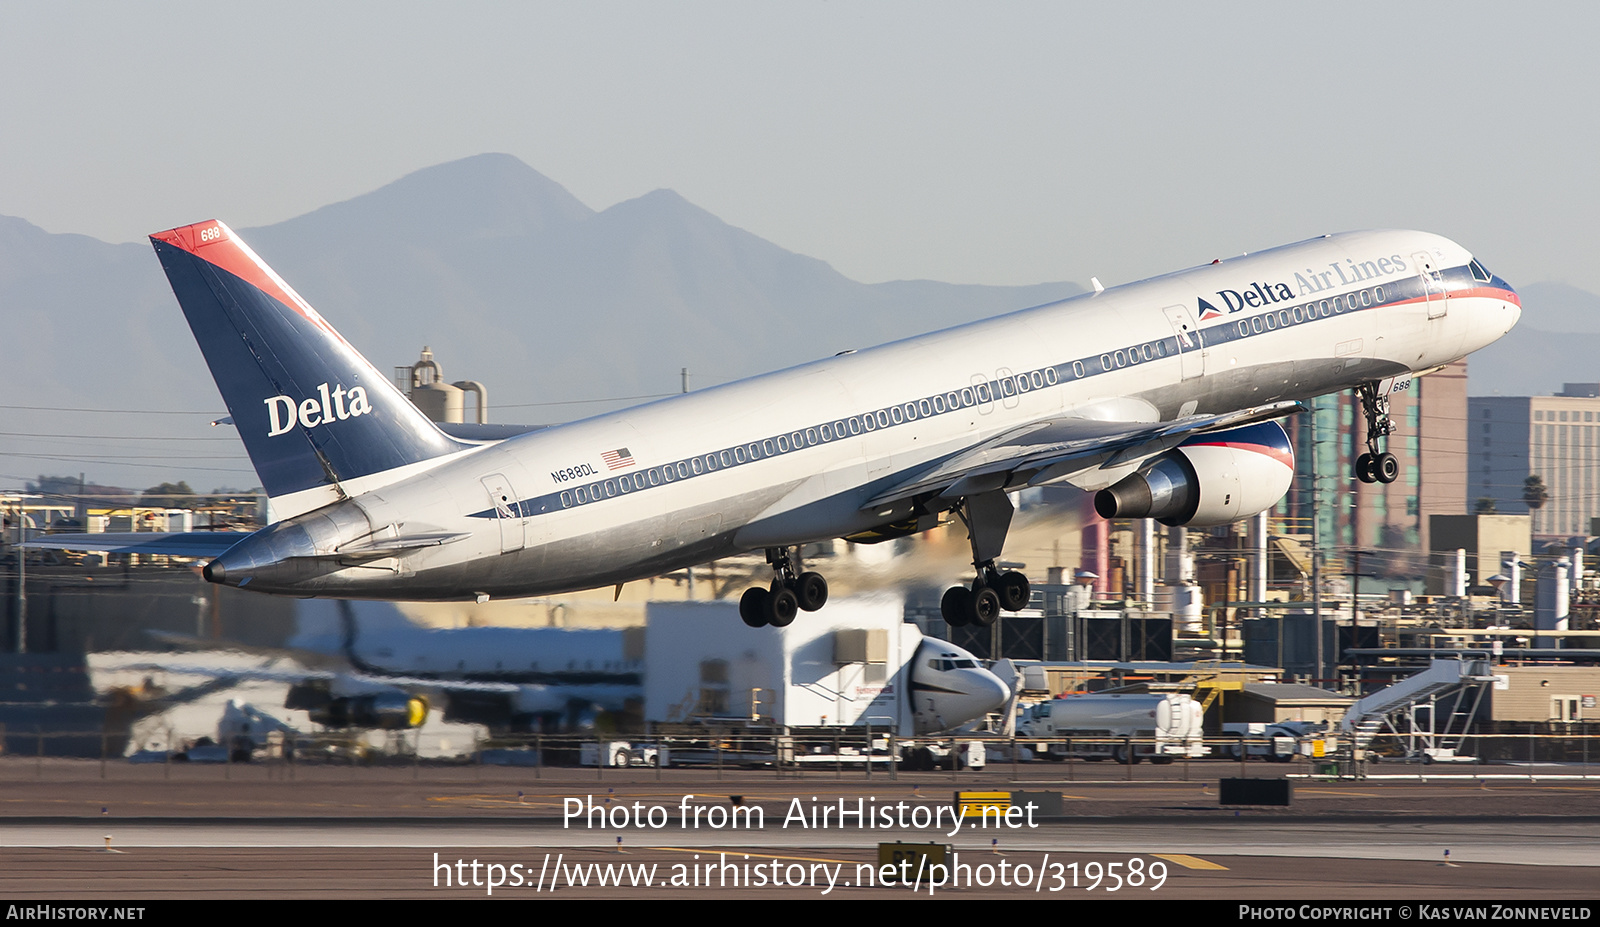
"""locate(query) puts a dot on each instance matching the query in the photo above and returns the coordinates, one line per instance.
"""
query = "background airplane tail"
(313, 413)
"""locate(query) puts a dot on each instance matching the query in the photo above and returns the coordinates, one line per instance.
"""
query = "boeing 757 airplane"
(1161, 396)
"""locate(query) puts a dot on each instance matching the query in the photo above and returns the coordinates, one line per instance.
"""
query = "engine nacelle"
(1210, 479)
(392, 710)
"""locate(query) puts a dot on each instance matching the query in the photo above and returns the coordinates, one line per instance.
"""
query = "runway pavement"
(381, 833)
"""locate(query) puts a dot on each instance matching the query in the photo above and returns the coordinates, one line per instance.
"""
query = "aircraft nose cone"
(988, 693)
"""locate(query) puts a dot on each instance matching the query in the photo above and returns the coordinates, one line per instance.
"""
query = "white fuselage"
(794, 456)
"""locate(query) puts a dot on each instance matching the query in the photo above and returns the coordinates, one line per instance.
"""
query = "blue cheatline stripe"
(1297, 314)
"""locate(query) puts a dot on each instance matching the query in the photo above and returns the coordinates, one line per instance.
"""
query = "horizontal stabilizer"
(199, 544)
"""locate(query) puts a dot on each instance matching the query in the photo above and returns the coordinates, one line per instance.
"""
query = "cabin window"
(683, 470)
(883, 419)
(1050, 375)
(1244, 327)
(938, 404)
(566, 500)
(1297, 314)
(1077, 369)
(766, 447)
(638, 481)
(1105, 362)
(738, 455)
(855, 425)
(783, 444)
(1377, 293)
(1147, 351)
(924, 407)
(894, 414)
(967, 397)
(869, 422)
(798, 440)
(580, 495)
(655, 477)
(984, 393)
(811, 436)
(827, 432)
(1366, 298)
(910, 411)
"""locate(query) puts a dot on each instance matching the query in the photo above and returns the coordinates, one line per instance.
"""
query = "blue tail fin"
(314, 414)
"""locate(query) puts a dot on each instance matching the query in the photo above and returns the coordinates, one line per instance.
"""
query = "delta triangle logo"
(1208, 311)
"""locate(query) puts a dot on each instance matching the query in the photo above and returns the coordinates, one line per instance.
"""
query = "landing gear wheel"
(1386, 469)
(781, 607)
(1014, 591)
(983, 608)
(954, 606)
(753, 607)
(1366, 468)
(811, 590)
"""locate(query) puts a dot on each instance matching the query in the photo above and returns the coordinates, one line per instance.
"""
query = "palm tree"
(1534, 493)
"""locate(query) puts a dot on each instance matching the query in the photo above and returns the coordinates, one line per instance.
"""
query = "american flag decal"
(617, 459)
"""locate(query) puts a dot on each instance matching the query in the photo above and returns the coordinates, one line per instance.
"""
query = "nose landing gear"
(1377, 465)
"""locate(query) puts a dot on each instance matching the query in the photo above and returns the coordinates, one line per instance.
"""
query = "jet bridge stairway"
(1429, 712)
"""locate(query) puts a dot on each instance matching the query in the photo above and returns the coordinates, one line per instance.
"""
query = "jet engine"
(1210, 479)
(391, 710)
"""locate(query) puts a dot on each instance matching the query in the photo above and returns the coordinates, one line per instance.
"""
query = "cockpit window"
(1479, 272)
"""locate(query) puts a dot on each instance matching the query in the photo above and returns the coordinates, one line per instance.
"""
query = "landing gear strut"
(792, 591)
(987, 517)
(1377, 465)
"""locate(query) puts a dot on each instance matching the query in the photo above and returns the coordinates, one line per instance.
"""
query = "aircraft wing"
(1088, 453)
(204, 544)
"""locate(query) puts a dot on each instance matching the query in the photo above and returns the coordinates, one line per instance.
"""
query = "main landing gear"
(792, 591)
(1376, 466)
(987, 517)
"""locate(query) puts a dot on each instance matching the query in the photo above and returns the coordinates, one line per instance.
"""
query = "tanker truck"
(1126, 727)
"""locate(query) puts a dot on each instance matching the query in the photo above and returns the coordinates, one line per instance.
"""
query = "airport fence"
(733, 753)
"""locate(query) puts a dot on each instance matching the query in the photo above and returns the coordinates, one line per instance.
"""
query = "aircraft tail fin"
(315, 415)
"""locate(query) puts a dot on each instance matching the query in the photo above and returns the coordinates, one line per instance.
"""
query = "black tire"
(1386, 469)
(1014, 591)
(1366, 469)
(954, 606)
(812, 591)
(983, 608)
(781, 607)
(753, 607)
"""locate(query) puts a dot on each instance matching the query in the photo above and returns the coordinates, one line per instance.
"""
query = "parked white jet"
(1160, 395)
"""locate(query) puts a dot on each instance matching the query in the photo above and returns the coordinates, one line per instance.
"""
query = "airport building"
(1551, 437)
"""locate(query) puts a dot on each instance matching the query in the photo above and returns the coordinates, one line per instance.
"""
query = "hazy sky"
(985, 143)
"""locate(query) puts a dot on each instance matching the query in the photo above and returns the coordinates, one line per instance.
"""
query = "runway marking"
(1188, 862)
(1340, 792)
(797, 859)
